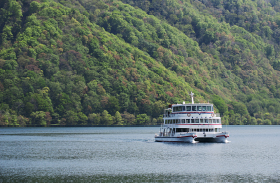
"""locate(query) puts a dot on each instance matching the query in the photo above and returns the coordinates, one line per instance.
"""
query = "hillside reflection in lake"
(125, 154)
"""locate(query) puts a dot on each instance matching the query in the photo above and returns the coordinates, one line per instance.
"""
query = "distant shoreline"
(16, 126)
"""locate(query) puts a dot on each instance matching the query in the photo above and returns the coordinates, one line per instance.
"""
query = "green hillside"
(122, 62)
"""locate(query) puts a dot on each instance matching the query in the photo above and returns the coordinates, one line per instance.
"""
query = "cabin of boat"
(199, 117)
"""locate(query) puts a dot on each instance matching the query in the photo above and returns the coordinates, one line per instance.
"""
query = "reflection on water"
(144, 178)
(130, 154)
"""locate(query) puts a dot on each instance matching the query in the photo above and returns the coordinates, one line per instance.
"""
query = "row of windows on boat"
(197, 130)
(192, 108)
(198, 120)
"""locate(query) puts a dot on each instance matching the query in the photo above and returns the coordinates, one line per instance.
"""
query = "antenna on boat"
(192, 94)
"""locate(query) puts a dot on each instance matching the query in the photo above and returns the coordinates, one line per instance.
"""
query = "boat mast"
(192, 94)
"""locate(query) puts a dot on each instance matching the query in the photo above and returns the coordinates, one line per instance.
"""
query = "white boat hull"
(189, 138)
(194, 137)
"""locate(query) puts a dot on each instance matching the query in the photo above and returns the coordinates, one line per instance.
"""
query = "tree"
(267, 122)
(118, 119)
(113, 105)
(71, 117)
(142, 119)
(82, 118)
(239, 108)
(220, 104)
(94, 119)
(39, 118)
(129, 119)
(106, 118)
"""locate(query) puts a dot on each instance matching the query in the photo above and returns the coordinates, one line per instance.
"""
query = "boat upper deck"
(199, 107)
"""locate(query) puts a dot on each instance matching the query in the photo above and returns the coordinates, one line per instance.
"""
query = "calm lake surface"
(129, 154)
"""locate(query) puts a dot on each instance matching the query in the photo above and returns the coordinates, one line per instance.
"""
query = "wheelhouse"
(193, 108)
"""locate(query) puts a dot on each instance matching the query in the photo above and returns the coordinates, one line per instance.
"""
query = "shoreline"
(17, 126)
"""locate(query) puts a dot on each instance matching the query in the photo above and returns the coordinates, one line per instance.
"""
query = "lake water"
(129, 154)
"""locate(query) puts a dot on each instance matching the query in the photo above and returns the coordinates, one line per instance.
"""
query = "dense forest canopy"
(103, 62)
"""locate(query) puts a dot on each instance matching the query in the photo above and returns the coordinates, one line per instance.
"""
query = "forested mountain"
(79, 62)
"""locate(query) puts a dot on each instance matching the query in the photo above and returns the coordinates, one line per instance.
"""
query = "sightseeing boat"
(191, 122)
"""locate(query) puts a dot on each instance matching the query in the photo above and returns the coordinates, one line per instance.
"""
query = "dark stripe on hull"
(210, 139)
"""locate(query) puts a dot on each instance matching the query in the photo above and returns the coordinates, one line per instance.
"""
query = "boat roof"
(193, 104)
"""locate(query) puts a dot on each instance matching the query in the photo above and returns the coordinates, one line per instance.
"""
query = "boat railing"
(173, 115)
(168, 115)
(166, 134)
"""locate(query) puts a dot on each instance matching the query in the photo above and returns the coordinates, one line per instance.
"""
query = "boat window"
(214, 120)
(192, 120)
(201, 120)
(206, 130)
(206, 120)
(185, 130)
(199, 108)
(208, 108)
(204, 108)
(218, 120)
(215, 129)
(210, 120)
(193, 108)
(183, 120)
(189, 108)
(179, 108)
(187, 120)
(196, 120)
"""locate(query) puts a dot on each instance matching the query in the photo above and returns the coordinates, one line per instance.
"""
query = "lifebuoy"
(189, 115)
(212, 114)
